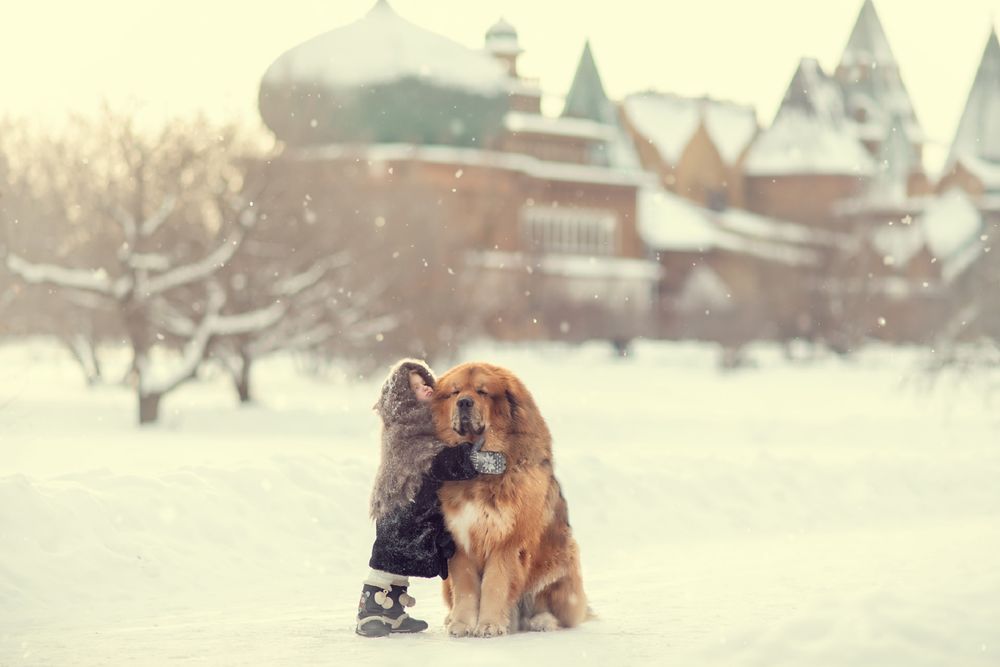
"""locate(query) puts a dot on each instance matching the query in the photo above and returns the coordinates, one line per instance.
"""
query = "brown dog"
(516, 563)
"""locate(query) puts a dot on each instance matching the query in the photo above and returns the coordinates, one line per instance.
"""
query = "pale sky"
(177, 56)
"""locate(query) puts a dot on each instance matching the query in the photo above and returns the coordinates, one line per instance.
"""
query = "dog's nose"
(465, 403)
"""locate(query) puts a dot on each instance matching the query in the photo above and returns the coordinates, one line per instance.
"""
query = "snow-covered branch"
(95, 281)
(196, 271)
(151, 224)
(300, 282)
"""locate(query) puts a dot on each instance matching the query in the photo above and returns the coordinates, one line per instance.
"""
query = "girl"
(410, 536)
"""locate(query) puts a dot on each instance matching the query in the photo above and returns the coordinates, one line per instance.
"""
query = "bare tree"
(154, 215)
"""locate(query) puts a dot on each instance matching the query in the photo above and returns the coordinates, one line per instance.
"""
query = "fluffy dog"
(516, 564)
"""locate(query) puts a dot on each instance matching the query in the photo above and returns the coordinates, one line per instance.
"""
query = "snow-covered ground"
(830, 513)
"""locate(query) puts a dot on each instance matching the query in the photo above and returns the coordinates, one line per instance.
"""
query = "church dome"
(383, 79)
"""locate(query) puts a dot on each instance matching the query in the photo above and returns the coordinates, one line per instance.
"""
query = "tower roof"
(872, 86)
(501, 39)
(868, 43)
(586, 97)
(978, 133)
(383, 47)
(810, 133)
(813, 93)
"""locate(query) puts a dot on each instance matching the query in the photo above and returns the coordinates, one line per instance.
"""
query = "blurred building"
(661, 214)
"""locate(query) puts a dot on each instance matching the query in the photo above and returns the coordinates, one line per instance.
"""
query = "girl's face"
(420, 388)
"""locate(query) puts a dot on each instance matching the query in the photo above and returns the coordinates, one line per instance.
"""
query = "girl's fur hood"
(409, 443)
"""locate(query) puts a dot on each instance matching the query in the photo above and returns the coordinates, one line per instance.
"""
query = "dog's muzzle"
(465, 421)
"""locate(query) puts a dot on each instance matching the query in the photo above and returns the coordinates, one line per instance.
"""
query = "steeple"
(868, 45)
(812, 92)
(872, 86)
(586, 97)
(978, 133)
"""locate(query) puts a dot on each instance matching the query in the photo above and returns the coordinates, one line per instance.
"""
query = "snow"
(949, 227)
(526, 164)
(799, 143)
(668, 222)
(898, 243)
(393, 49)
(669, 122)
(91, 280)
(951, 223)
(573, 266)
(752, 224)
(704, 290)
(517, 121)
(827, 513)
(987, 172)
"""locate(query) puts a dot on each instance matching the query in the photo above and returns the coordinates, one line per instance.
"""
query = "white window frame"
(569, 230)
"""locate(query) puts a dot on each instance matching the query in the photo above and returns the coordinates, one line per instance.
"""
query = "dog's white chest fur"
(460, 525)
(486, 522)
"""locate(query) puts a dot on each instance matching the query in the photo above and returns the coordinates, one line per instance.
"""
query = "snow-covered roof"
(669, 121)
(986, 171)
(382, 47)
(572, 266)
(950, 222)
(668, 222)
(454, 155)
(978, 133)
(949, 228)
(810, 133)
(811, 92)
(517, 121)
(799, 143)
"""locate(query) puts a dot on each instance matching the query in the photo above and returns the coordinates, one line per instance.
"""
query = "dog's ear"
(514, 406)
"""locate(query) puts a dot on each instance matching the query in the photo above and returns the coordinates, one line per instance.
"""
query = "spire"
(586, 97)
(812, 92)
(978, 133)
(872, 87)
(868, 44)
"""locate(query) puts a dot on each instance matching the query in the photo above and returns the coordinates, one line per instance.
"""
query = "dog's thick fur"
(516, 564)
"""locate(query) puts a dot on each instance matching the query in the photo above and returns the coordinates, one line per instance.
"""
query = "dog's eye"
(454, 393)
(482, 392)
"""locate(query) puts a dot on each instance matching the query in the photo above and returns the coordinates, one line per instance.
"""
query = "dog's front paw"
(491, 629)
(459, 629)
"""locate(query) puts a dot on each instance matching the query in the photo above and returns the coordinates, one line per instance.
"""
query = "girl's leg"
(386, 580)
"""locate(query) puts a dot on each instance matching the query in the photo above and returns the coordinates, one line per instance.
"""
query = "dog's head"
(474, 397)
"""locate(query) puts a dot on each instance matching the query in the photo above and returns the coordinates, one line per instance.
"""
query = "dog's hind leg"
(562, 601)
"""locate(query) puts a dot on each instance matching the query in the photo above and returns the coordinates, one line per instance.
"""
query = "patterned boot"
(381, 612)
